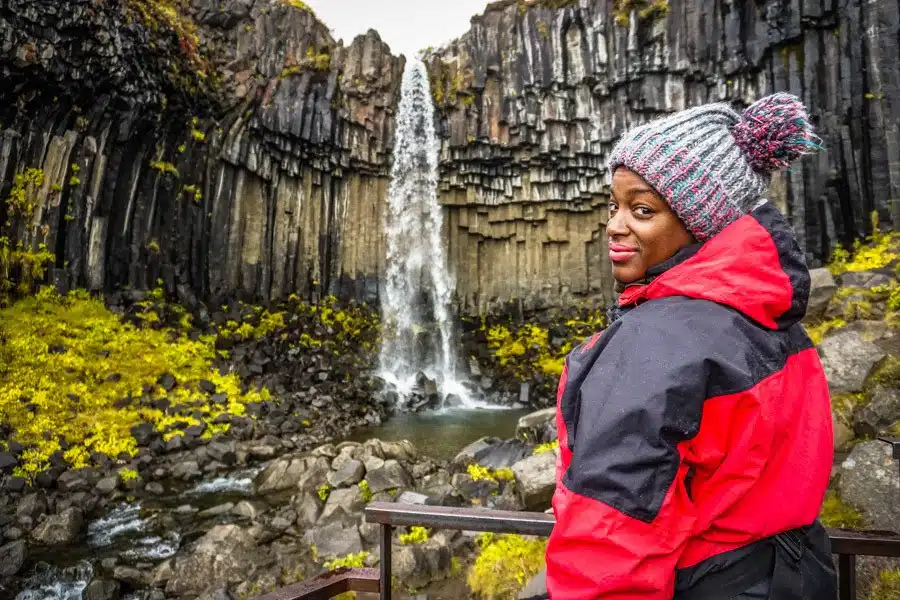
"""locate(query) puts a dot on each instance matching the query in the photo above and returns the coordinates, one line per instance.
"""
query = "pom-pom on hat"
(710, 163)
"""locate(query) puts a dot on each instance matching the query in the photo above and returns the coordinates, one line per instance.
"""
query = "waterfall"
(418, 332)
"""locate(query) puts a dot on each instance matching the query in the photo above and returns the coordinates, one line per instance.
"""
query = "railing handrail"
(843, 541)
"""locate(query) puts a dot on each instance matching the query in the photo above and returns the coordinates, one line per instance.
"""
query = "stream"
(150, 530)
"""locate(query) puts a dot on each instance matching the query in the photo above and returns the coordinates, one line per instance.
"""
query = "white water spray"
(416, 301)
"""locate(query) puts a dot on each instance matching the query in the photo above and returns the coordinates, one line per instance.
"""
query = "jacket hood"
(754, 265)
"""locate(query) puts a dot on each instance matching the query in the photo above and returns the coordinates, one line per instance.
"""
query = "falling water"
(415, 306)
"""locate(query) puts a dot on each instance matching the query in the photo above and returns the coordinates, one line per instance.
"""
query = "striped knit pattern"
(710, 163)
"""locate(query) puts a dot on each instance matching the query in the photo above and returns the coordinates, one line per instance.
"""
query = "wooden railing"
(847, 544)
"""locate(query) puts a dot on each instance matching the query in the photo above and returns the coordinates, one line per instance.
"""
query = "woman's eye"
(643, 211)
(612, 208)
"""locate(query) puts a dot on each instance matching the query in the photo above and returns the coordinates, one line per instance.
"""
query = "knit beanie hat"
(710, 163)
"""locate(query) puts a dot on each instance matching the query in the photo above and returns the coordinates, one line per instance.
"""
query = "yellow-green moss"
(198, 135)
(72, 361)
(167, 14)
(818, 331)
(127, 475)
(355, 561)
(153, 246)
(324, 491)
(878, 251)
(481, 473)
(22, 198)
(415, 535)
(504, 565)
(193, 192)
(887, 586)
(20, 268)
(365, 491)
(622, 10)
(548, 447)
(164, 167)
(298, 4)
(837, 514)
(886, 373)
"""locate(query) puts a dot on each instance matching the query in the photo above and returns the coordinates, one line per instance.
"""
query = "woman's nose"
(615, 226)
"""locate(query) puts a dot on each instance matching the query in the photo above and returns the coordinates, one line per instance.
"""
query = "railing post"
(386, 579)
(847, 576)
(895, 446)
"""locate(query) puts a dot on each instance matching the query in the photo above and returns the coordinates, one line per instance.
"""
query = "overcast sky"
(406, 25)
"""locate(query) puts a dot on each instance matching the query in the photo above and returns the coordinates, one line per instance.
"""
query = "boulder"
(821, 288)
(536, 480)
(32, 506)
(538, 427)
(420, 564)
(12, 558)
(350, 472)
(390, 476)
(107, 485)
(227, 554)
(344, 505)
(881, 412)
(402, 450)
(848, 359)
(187, 470)
(870, 480)
(308, 507)
(291, 472)
(223, 452)
(132, 576)
(7, 462)
(63, 529)
(72, 481)
(334, 540)
(250, 509)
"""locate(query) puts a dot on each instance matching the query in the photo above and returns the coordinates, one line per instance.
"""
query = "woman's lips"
(621, 252)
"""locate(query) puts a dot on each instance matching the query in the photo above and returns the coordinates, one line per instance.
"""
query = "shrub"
(416, 535)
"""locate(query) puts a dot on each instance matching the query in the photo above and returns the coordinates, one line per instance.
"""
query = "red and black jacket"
(699, 422)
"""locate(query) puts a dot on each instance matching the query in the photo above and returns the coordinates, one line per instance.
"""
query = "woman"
(695, 432)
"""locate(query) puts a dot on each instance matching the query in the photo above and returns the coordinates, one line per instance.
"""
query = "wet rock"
(144, 434)
(876, 417)
(12, 558)
(221, 509)
(822, 288)
(196, 431)
(493, 453)
(72, 481)
(14, 484)
(155, 489)
(409, 497)
(333, 540)
(418, 565)
(63, 529)
(863, 279)
(102, 589)
(536, 480)
(250, 509)
(403, 450)
(308, 507)
(848, 359)
(32, 506)
(131, 576)
(227, 554)
(7, 462)
(350, 473)
(390, 476)
(870, 481)
(224, 452)
(187, 470)
(166, 381)
(538, 427)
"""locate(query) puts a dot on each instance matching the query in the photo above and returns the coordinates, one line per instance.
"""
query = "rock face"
(247, 154)
(236, 149)
(531, 102)
(869, 480)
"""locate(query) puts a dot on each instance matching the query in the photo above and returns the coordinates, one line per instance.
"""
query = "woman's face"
(642, 229)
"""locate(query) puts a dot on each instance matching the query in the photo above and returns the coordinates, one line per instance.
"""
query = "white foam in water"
(52, 583)
(241, 481)
(418, 287)
(153, 548)
(123, 519)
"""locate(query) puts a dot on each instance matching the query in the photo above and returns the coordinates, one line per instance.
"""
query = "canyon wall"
(234, 148)
(228, 148)
(533, 97)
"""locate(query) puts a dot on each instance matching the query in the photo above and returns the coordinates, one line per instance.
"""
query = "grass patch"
(838, 514)
(887, 586)
(75, 379)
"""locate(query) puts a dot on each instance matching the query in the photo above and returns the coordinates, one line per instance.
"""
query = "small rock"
(155, 488)
(221, 509)
(207, 386)
(843, 435)
(870, 481)
(72, 481)
(32, 506)
(101, 589)
(131, 576)
(166, 381)
(822, 288)
(144, 434)
(390, 476)
(7, 462)
(224, 452)
(15, 484)
(343, 504)
(196, 431)
(308, 507)
(876, 417)
(533, 427)
(107, 485)
(250, 509)
(12, 558)
(334, 540)
(187, 470)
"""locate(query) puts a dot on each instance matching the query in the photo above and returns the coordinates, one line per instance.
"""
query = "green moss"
(73, 362)
(646, 9)
(548, 447)
(198, 135)
(22, 198)
(504, 565)
(818, 331)
(878, 251)
(324, 491)
(886, 373)
(153, 246)
(543, 30)
(193, 192)
(481, 473)
(127, 475)
(166, 168)
(887, 586)
(21, 267)
(415, 535)
(837, 514)
(365, 491)
(298, 4)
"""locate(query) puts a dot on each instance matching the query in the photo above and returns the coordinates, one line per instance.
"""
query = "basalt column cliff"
(535, 94)
(229, 148)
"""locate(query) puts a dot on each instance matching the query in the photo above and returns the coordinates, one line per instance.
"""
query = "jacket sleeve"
(624, 513)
